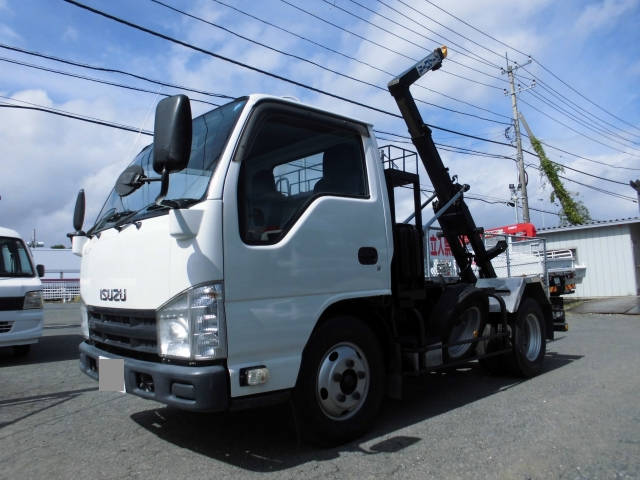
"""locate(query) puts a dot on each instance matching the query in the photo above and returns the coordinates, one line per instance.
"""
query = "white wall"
(607, 252)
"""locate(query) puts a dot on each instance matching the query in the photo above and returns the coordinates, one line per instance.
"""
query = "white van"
(20, 294)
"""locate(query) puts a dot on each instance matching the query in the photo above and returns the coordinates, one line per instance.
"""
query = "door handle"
(368, 256)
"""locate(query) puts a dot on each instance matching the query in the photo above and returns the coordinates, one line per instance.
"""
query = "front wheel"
(341, 382)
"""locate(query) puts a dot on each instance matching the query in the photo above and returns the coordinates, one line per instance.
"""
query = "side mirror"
(172, 135)
(78, 214)
(40, 270)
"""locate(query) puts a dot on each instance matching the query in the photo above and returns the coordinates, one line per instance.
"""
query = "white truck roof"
(7, 232)
(256, 97)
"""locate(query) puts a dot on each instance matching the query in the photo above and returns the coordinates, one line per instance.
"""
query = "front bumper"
(25, 327)
(188, 388)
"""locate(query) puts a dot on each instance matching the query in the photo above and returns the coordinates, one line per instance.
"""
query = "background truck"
(263, 262)
(20, 294)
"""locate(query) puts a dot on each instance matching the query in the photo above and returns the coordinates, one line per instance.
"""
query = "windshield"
(14, 259)
(210, 134)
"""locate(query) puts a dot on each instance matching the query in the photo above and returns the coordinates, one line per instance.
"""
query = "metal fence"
(524, 256)
(63, 290)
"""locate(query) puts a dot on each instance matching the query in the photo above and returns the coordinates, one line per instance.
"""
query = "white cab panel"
(274, 294)
(150, 264)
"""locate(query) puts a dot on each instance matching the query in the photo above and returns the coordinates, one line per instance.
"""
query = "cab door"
(304, 227)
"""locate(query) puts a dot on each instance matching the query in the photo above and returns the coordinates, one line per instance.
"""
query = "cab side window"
(291, 162)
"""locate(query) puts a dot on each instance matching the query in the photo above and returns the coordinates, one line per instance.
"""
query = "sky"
(585, 103)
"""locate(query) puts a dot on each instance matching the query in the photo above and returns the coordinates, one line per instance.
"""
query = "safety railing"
(63, 290)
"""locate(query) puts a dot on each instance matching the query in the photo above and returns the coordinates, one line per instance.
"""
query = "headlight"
(84, 320)
(32, 300)
(192, 325)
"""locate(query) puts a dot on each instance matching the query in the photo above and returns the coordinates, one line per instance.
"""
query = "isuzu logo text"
(113, 294)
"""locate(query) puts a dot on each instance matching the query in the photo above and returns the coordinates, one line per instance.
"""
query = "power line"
(581, 95)
(573, 105)
(442, 25)
(95, 80)
(574, 130)
(311, 14)
(311, 62)
(112, 70)
(265, 72)
(586, 122)
(538, 168)
(535, 60)
(472, 56)
(575, 155)
(74, 116)
(475, 28)
(361, 62)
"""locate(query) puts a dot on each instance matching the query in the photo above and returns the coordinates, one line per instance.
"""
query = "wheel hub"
(343, 381)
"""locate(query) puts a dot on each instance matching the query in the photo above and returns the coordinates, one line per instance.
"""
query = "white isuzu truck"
(252, 255)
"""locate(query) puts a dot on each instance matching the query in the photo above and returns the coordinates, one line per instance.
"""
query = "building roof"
(593, 224)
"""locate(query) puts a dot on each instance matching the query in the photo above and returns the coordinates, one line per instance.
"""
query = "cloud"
(70, 34)
(51, 158)
(8, 34)
(602, 14)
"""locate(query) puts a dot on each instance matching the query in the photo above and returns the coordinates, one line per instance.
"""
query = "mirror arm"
(164, 189)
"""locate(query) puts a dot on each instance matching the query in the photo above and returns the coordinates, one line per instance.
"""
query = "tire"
(461, 313)
(341, 382)
(498, 364)
(528, 339)
(21, 350)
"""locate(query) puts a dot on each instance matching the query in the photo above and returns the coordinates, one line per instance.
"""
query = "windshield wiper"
(110, 216)
(173, 203)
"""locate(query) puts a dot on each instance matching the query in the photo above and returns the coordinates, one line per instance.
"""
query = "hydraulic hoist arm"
(457, 222)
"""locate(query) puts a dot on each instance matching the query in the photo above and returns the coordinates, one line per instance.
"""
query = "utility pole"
(636, 186)
(516, 125)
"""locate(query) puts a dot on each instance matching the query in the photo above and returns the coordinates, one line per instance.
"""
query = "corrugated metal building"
(609, 249)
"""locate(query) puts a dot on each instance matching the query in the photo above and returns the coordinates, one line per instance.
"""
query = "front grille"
(133, 330)
(5, 327)
(11, 303)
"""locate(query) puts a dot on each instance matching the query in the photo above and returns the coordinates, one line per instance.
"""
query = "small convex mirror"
(129, 180)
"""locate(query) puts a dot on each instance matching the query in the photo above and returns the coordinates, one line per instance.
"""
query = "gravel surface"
(579, 419)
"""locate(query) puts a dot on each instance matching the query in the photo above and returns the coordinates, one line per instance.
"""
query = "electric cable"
(316, 64)
(265, 72)
(575, 155)
(96, 80)
(577, 131)
(112, 70)
(441, 24)
(584, 97)
(297, 7)
(354, 59)
(586, 122)
(535, 60)
(573, 105)
(458, 48)
(74, 116)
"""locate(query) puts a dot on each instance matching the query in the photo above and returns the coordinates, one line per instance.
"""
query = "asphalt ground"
(579, 419)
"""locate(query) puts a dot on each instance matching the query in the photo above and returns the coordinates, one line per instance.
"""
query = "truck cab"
(20, 294)
(284, 214)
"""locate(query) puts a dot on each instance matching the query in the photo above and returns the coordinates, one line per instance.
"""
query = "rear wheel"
(529, 345)
(341, 382)
(498, 364)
